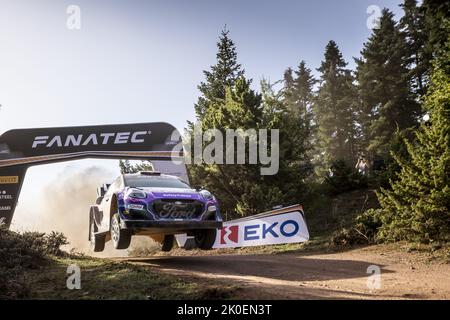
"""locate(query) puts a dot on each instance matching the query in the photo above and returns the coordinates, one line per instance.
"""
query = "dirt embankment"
(298, 275)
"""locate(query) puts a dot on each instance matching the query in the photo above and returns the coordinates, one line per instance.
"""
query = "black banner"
(22, 148)
(226, 309)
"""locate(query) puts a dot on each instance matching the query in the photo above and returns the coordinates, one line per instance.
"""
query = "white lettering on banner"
(282, 228)
(92, 139)
(5, 196)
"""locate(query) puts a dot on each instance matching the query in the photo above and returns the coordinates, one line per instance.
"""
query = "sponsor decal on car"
(176, 195)
(132, 206)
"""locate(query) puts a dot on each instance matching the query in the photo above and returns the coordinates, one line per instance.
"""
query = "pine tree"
(412, 25)
(436, 25)
(304, 84)
(297, 95)
(125, 166)
(221, 76)
(289, 94)
(295, 137)
(142, 166)
(227, 101)
(334, 111)
(387, 99)
(224, 73)
(418, 206)
(238, 186)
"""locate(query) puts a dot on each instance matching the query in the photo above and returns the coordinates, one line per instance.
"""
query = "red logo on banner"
(231, 233)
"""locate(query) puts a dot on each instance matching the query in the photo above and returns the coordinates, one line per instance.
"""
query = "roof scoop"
(150, 173)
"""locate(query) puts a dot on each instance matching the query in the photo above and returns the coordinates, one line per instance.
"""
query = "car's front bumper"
(170, 225)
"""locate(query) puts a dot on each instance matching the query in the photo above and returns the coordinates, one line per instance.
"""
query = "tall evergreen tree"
(436, 25)
(288, 79)
(238, 186)
(295, 138)
(221, 75)
(126, 167)
(417, 205)
(298, 97)
(412, 24)
(304, 83)
(334, 111)
(387, 99)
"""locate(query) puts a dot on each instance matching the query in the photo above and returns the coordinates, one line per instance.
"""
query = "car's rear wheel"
(97, 240)
(167, 243)
(204, 239)
(121, 238)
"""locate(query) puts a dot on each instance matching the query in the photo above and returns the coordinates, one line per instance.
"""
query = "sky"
(141, 61)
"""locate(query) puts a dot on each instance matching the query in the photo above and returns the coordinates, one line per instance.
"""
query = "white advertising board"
(278, 228)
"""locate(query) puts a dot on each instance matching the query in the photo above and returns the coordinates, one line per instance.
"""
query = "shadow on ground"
(278, 267)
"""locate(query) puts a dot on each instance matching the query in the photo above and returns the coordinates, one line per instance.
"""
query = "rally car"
(153, 204)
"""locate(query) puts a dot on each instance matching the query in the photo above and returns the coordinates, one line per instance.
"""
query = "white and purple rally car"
(153, 204)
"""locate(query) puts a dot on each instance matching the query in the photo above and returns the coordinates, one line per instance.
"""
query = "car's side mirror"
(198, 187)
(99, 200)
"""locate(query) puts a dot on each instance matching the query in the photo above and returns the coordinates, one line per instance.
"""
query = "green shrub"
(416, 208)
(53, 243)
(343, 178)
(368, 223)
(364, 230)
(22, 252)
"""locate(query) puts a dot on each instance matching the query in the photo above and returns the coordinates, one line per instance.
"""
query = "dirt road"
(313, 276)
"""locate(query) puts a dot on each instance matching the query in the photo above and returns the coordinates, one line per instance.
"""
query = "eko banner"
(281, 226)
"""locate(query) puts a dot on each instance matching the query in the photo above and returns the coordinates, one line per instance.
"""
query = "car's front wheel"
(204, 239)
(121, 238)
(97, 241)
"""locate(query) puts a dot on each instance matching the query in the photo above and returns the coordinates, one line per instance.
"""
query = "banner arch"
(23, 148)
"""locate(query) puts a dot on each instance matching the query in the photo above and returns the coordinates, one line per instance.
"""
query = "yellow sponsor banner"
(9, 179)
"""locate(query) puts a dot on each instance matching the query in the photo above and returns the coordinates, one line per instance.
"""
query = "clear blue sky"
(135, 61)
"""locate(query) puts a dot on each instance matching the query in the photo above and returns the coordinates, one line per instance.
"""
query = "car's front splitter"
(166, 225)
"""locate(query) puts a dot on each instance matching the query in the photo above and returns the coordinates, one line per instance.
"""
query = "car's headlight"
(137, 194)
(207, 195)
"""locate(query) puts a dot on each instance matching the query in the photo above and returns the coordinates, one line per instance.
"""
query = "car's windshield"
(154, 182)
